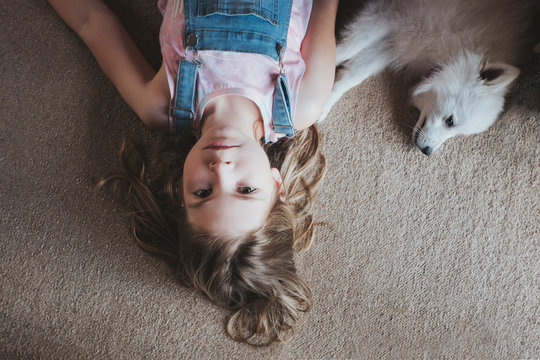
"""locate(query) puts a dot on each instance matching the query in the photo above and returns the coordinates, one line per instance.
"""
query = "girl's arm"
(143, 89)
(319, 53)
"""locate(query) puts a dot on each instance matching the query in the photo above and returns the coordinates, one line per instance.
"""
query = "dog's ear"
(422, 88)
(421, 95)
(498, 75)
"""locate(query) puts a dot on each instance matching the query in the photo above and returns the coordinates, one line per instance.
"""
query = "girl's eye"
(246, 189)
(202, 193)
(449, 121)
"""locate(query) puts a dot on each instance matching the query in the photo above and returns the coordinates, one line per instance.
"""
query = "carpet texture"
(421, 257)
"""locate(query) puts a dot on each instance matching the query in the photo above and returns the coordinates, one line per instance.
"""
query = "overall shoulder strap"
(281, 111)
(183, 111)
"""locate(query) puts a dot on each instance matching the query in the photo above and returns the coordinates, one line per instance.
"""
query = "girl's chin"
(226, 134)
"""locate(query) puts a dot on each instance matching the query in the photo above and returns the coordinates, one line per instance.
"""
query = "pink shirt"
(226, 73)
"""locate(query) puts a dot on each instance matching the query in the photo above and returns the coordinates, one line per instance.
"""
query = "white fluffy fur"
(462, 52)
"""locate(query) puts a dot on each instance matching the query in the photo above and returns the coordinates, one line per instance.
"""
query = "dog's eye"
(449, 121)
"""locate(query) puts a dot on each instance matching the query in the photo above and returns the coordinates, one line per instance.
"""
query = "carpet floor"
(420, 257)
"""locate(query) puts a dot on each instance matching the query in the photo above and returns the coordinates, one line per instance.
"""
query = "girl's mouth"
(220, 145)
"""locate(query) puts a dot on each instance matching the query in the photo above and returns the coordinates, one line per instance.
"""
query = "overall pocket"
(265, 9)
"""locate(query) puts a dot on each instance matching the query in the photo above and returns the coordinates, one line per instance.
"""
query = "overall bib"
(253, 26)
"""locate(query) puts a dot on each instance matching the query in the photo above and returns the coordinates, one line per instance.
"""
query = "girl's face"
(228, 185)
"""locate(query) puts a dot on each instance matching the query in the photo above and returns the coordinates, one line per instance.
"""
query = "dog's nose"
(427, 150)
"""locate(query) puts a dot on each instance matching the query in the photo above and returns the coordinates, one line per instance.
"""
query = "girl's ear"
(279, 183)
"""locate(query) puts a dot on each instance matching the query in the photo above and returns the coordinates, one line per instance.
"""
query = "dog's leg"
(367, 28)
(365, 64)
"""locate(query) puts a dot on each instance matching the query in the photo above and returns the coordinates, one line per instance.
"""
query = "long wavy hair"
(254, 275)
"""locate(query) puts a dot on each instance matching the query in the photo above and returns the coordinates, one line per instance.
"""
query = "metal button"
(280, 50)
(192, 39)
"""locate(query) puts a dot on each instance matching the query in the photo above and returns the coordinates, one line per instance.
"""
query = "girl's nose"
(218, 164)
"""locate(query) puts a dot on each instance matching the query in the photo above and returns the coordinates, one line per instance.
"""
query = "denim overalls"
(254, 26)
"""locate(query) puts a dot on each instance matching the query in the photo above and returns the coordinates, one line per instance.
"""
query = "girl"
(236, 74)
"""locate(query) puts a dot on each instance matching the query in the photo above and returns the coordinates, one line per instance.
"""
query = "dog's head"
(463, 97)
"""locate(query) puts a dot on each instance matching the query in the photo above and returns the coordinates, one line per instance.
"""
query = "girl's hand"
(319, 53)
(145, 91)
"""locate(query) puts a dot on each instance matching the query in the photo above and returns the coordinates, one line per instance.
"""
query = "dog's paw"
(536, 49)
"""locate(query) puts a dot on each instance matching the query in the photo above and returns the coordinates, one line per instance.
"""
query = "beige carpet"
(422, 257)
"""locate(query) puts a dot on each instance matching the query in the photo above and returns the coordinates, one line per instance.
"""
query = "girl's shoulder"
(162, 5)
(156, 109)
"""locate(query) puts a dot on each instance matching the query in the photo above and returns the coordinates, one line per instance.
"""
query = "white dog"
(462, 52)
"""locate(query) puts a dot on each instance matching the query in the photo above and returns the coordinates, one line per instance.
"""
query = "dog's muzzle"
(426, 150)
